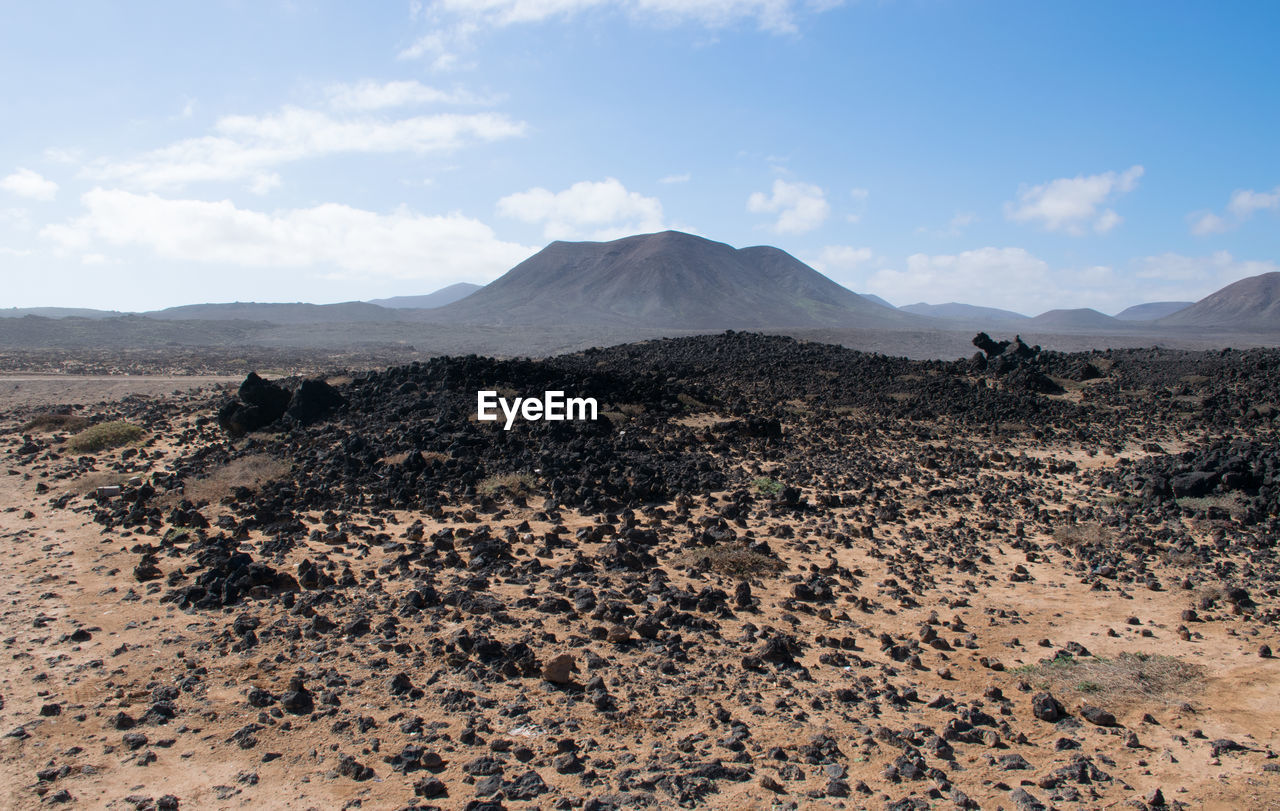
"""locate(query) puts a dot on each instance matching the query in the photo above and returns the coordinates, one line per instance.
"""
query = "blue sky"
(1018, 154)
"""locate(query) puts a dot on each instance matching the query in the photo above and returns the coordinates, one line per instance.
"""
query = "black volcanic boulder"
(313, 400)
(983, 341)
(1032, 381)
(261, 403)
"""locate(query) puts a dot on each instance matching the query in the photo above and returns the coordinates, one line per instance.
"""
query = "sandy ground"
(60, 573)
(38, 391)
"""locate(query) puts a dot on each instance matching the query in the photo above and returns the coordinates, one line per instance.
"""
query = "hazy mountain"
(962, 312)
(443, 296)
(669, 279)
(58, 312)
(292, 313)
(1252, 303)
(873, 297)
(1152, 310)
(1083, 319)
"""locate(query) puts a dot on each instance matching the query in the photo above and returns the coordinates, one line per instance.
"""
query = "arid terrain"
(774, 574)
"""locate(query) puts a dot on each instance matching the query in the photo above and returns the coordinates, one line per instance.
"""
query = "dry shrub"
(252, 471)
(1072, 536)
(403, 456)
(91, 481)
(507, 484)
(1231, 503)
(731, 559)
(105, 435)
(1127, 679)
(55, 422)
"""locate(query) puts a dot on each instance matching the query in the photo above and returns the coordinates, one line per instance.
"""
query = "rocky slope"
(773, 574)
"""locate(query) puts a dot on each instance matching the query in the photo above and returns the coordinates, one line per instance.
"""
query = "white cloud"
(1071, 204)
(681, 178)
(1244, 203)
(801, 207)
(456, 23)
(402, 244)
(247, 147)
(842, 258)
(1015, 279)
(601, 210)
(1206, 222)
(370, 95)
(29, 184)
(1194, 277)
(994, 277)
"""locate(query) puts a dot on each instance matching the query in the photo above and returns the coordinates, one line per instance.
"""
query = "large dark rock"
(261, 403)
(314, 400)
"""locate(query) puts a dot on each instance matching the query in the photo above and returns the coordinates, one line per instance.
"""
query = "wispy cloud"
(1244, 203)
(1074, 204)
(455, 24)
(248, 147)
(369, 95)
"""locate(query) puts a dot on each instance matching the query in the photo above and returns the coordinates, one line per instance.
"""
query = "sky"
(1015, 154)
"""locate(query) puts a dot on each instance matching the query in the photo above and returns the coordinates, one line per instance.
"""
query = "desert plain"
(773, 574)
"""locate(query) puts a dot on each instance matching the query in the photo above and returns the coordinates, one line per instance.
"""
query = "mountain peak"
(668, 279)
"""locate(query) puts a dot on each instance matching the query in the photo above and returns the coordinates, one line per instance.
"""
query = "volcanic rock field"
(773, 574)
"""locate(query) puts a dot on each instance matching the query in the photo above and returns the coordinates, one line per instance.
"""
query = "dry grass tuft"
(731, 559)
(1072, 536)
(508, 485)
(105, 435)
(91, 481)
(1127, 679)
(250, 471)
(55, 422)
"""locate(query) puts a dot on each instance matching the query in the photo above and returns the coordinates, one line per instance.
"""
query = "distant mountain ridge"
(669, 279)
(347, 312)
(1152, 310)
(1252, 303)
(962, 312)
(673, 280)
(441, 297)
(1082, 319)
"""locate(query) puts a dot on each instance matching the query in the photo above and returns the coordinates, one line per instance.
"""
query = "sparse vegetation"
(731, 559)
(767, 487)
(507, 485)
(252, 471)
(1125, 679)
(104, 436)
(55, 422)
(1072, 536)
(101, 478)
(1231, 503)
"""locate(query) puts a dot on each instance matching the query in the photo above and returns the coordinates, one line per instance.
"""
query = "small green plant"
(1088, 687)
(767, 487)
(105, 435)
